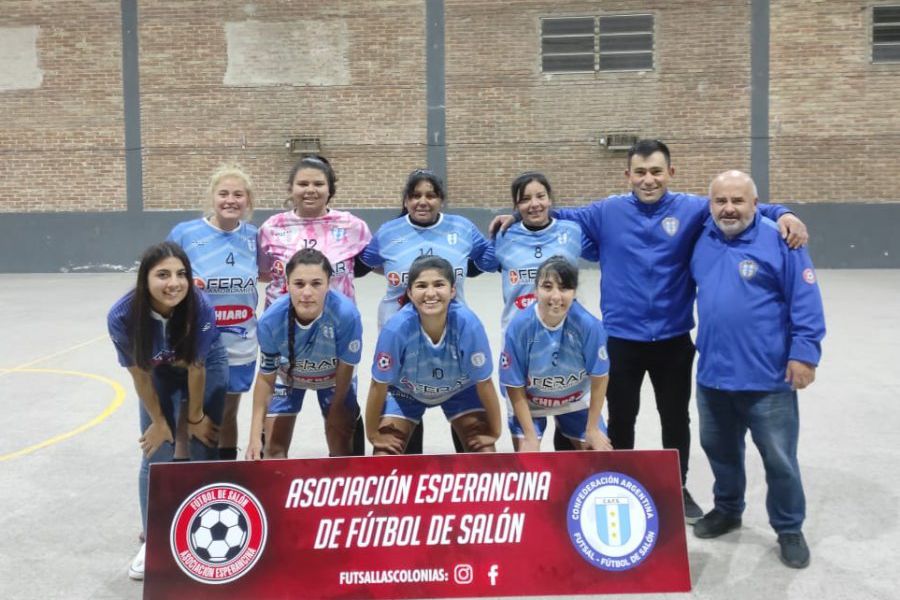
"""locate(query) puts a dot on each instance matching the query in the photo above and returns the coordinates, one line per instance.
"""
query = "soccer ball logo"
(383, 361)
(219, 533)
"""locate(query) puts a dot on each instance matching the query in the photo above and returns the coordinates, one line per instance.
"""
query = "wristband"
(196, 422)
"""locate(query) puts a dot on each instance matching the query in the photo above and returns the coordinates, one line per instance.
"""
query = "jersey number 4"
(230, 259)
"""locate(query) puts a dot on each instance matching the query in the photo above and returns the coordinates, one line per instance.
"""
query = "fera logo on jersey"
(232, 314)
(228, 285)
(552, 383)
(522, 275)
(612, 521)
(218, 533)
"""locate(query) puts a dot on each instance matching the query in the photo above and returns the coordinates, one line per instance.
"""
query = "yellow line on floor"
(110, 408)
(54, 355)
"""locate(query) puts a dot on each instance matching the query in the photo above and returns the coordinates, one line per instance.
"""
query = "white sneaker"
(136, 569)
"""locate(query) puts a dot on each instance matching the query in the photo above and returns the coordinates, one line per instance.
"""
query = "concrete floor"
(69, 514)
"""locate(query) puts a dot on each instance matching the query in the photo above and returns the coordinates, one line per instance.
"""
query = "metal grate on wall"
(886, 34)
(590, 44)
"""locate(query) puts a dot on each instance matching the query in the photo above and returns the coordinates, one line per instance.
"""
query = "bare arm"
(530, 441)
(159, 430)
(262, 394)
(593, 436)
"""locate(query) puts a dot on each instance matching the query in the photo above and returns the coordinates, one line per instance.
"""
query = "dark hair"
(561, 269)
(428, 262)
(320, 163)
(417, 177)
(306, 256)
(521, 182)
(647, 147)
(180, 330)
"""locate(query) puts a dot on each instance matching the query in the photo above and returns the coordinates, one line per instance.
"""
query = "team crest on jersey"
(504, 360)
(563, 238)
(338, 233)
(251, 244)
(328, 331)
(602, 354)
(218, 533)
(612, 521)
(452, 238)
(809, 276)
(383, 361)
(670, 225)
(478, 359)
(354, 346)
(748, 268)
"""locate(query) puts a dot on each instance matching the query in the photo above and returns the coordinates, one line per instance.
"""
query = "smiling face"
(167, 284)
(308, 285)
(554, 300)
(424, 204)
(231, 200)
(732, 202)
(649, 176)
(431, 293)
(310, 192)
(534, 204)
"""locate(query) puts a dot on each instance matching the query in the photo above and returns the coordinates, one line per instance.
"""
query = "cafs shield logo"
(670, 226)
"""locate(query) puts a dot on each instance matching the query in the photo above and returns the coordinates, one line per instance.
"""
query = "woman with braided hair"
(310, 339)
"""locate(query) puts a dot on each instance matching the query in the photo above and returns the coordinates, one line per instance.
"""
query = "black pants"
(669, 363)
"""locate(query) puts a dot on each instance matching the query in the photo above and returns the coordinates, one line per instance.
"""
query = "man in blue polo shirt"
(645, 240)
(761, 328)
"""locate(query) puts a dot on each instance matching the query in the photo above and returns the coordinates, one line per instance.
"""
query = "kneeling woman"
(310, 339)
(433, 352)
(554, 363)
(165, 334)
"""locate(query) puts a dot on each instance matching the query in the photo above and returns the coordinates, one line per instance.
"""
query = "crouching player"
(434, 352)
(309, 339)
(554, 363)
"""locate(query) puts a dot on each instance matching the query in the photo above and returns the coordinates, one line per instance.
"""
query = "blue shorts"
(240, 377)
(406, 407)
(281, 404)
(572, 425)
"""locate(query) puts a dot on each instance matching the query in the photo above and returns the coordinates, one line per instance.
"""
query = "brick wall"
(61, 136)
(235, 83)
(835, 119)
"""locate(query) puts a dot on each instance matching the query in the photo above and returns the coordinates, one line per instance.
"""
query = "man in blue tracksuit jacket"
(761, 328)
(645, 241)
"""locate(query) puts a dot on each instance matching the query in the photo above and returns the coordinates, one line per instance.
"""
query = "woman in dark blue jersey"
(164, 332)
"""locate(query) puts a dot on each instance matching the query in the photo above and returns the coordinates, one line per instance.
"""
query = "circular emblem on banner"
(612, 521)
(218, 533)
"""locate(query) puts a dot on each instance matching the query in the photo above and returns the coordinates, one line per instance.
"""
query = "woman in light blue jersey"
(310, 339)
(433, 352)
(222, 250)
(555, 363)
(164, 334)
(423, 229)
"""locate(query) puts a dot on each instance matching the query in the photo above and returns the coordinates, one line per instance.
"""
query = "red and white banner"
(553, 523)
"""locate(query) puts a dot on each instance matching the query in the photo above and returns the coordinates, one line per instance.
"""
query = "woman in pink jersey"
(311, 224)
(337, 234)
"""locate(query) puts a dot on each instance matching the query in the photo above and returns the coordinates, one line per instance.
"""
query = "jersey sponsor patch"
(232, 314)
(199, 283)
(504, 360)
(602, 354)
(384, 361)
(393, 278)
(478, 359)
(278, 267)
(524, 301)
(809, 276)
(670, 225)
(354, 346)
(747, 268)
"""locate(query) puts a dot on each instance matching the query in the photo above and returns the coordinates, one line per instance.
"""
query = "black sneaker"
(715, 523)
(692, 512)
(794, 551)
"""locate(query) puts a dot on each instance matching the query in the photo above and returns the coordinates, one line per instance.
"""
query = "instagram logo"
(462, 574)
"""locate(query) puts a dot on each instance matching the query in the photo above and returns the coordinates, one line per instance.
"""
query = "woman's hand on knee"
(154, 436)
(204, 430)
